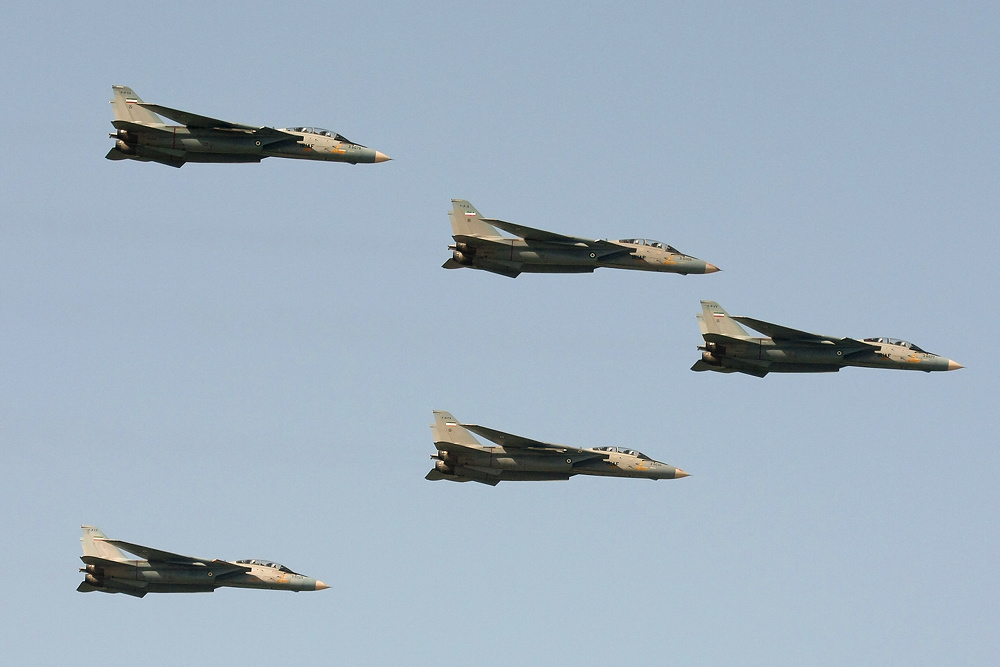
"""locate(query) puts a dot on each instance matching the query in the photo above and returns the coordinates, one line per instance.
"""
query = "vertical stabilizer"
(447, 429)
(94, 545)
(713, 319)
(126, 106)
(467, 221)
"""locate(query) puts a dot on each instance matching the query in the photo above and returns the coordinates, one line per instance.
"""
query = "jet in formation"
(142, 135)
(479, 245)
(461, 458)
(110, 571)
(729, 348)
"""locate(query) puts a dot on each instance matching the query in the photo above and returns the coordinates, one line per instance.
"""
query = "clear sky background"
(241, 361)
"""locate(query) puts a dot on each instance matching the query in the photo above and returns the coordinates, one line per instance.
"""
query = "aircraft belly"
(534, 476)
(556, 268)
(533, 463)
(804, 368)
(561, 256)
(181, 576)
(819, 354)
(188, 141)
(123, 587)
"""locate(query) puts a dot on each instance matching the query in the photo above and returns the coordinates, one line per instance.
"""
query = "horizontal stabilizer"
(97, 560)
(139, 127)
(700, 366)
(722, 338)
(452, 264)
(509, 269)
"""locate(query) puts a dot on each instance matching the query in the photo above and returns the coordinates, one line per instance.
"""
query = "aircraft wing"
(778, 332)
(511, 441)
(532, 234)
(157, 556)
(193, 120)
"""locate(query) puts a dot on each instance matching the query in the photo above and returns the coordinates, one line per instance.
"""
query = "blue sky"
(241, 361)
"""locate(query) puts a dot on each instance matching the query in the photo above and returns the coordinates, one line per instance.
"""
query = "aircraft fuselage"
(142, 576)
(784, 357)
(541, 257)
(502, 464)
(210, 145)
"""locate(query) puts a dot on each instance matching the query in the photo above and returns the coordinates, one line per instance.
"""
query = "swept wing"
(158, 556)
(511, 441)
(532, 234)
(193, 120)
(778, 332)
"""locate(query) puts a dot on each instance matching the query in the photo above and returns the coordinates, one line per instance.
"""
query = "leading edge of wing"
(511, 441)
(533, 234)
(778, 332)
(193, 120)
(155, 555)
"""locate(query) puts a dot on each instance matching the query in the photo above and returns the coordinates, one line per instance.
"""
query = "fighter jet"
(729, 348)
(110, 571)
(461, 458)
(142, 135)
(479, 245)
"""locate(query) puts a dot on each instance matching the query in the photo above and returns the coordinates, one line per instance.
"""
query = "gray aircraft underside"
(480, 245)
(109, 570)
(729, 348)
(461, 458)
(142, 135)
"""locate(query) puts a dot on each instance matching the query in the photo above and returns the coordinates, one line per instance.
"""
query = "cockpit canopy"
(321, 132)
(895, 341)
(652, 244)
(265, 563)
(623, 450)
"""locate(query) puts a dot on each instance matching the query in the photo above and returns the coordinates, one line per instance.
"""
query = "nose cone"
(711, 268)
(954, 365)
(680, 473)
(320, 586)
(381, 157)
